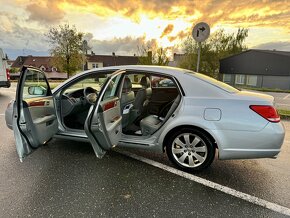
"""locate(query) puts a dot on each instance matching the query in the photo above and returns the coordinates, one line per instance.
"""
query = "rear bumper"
(5, 84)
(247, 145)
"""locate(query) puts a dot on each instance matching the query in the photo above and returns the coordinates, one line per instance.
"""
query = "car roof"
(173, 71)
(170, 71)
(185, 77)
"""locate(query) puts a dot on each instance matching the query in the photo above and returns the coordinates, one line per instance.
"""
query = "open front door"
(104, 122)
(34, 117)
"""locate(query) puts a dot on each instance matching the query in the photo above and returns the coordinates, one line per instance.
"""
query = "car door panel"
(108, 123)
(103, 125)
(112, 119)
(34, 116)
(41, 119)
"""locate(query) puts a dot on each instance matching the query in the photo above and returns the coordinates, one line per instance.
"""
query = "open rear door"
(34, 117)
(104, 122)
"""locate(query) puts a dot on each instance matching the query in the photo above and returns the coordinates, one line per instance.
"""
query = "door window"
(112, 88)
(94, 81)
(159, 82)
(35, 85)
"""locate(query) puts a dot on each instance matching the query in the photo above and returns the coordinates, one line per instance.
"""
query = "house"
(96, 61)
(44, 63)
(257, 68)
(9, 63)
(177, 58)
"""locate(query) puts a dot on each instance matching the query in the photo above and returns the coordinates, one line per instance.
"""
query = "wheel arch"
(169, 133)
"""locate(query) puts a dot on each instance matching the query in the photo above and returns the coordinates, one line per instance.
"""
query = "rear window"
(215, 82)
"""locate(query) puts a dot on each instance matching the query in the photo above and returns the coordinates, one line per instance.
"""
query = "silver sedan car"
(187, 115)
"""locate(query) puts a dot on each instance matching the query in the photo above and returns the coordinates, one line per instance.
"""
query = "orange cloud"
(237, 13)
(212, 11)
(45, 11)
(180, 35)
(167, 30)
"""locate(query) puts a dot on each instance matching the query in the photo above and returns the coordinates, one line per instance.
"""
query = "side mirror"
(36, 90)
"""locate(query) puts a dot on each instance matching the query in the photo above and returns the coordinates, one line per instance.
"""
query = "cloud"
(13, 35)
(255, 12)
(180, 35)
(250, 13)
(168, 29)
(45, 12)
(279, 46)
(247, 14)
(121, 46)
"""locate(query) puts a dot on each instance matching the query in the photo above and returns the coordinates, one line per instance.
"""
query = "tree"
(218, 46)
(14, 70)
(149, 55)
(66, 49)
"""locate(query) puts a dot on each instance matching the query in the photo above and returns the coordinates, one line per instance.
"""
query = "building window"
(227, 78)
(240, 79)
(95, 65)
(252, 80)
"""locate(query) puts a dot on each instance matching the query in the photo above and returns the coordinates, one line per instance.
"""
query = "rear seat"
(152, 123)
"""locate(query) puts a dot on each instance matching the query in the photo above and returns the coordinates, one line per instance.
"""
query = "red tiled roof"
(113, 60)
(56, 75)
(34, 61)
(39, 61)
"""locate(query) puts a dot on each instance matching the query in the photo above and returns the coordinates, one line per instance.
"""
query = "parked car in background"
(190, 116)
(4, 71)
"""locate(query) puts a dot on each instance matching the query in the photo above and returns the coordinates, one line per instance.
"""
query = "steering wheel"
(90, 95)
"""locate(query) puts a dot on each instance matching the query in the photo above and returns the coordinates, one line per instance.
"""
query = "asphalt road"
(64, 178)
(282, 99)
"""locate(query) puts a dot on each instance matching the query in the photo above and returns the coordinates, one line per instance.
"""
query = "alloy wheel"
(189, 150)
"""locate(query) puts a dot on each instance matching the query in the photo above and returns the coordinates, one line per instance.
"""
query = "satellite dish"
(201, 32)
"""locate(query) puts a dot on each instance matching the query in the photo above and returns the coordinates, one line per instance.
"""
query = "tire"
(190, 150)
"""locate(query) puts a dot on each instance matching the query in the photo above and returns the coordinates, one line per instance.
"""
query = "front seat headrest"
(127, 86)
(145, 82)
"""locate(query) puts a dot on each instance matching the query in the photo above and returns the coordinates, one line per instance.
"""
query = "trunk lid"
(255, 96)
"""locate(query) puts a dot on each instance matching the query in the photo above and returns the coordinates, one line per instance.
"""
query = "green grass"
(263, 89)
(53, 84)
(284, 112)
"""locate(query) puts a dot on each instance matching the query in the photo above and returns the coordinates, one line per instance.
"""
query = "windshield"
(215, 82)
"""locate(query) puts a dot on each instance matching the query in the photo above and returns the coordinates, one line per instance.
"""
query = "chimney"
(149, 54)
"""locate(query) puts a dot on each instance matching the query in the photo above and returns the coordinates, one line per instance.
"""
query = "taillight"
(266, 111)
(8, 74)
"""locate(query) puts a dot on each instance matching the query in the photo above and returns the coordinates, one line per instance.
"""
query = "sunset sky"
(120, 26)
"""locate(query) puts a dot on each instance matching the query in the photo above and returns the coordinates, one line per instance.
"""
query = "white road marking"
(252, 199)
(286, 96)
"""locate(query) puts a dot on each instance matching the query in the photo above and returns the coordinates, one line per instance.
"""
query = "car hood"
(255, 96)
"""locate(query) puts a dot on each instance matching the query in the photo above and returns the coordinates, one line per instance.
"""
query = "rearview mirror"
(36, 90)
